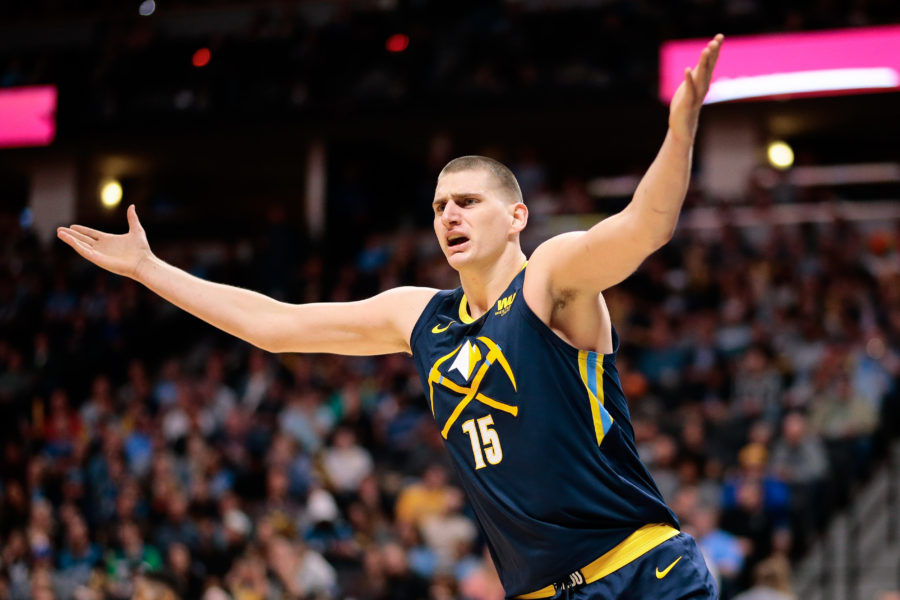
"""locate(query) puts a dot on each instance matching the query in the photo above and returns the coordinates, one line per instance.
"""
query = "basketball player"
(518, 364)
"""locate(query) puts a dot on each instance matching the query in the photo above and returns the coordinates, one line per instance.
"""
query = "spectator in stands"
(722, 549)
(345, 462)
(757, 387)
(80, 555)
(774, 494)
(429, 498)
(156, 585)
(188, 574)
(401, 582)
(846, 422)
(771, 579)
(131, 555)
(448, 530)
(800, 460)
(63, 428)
(247, 578)
(301, 572)
(176, 527)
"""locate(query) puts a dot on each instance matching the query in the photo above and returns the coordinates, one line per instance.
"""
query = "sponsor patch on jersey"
(504, 304)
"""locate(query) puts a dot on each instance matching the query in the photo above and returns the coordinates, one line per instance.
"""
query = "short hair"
(498, 170)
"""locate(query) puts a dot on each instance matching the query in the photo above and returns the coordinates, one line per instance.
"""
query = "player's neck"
(483, 286)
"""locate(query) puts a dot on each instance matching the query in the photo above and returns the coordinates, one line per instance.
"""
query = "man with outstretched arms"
(518, 365)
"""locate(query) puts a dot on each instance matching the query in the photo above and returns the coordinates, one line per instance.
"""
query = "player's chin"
(457, 258)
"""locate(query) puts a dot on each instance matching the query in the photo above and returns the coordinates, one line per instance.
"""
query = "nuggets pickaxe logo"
(467, 359)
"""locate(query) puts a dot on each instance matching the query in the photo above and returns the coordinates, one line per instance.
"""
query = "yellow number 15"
(488, 446)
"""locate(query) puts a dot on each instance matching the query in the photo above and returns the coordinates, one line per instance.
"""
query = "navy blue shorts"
(674, 570)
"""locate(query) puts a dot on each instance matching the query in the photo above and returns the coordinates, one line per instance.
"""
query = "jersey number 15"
(488, 445)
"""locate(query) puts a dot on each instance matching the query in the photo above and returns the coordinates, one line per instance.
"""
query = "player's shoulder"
(409, 301)
(405, 306)
(547, 255)
(541, 266)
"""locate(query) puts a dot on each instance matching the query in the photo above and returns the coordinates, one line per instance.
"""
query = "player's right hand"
(121, 254)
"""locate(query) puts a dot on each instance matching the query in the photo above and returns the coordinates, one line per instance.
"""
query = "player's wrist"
(682, 136)
(144, 262)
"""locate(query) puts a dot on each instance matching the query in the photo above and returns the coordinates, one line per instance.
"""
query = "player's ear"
(519, 217)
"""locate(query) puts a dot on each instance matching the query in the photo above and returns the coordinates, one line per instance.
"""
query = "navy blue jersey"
(540, 436)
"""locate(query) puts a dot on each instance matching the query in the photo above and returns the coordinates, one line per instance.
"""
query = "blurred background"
(292, 147)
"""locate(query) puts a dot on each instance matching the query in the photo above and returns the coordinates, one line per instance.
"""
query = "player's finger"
(79, 246)
(690, 88)
(707, 64)
(716, 47)
(78, 236)
(133, 221)
(91, 233)
(702, 63)
(690, 76)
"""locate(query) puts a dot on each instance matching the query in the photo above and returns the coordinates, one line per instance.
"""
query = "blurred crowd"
(760, 365)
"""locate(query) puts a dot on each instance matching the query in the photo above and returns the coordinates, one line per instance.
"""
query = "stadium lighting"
(781, 155)
(111, 193)
(147, 8)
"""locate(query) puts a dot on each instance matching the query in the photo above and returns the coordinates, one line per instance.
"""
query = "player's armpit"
(381, 324)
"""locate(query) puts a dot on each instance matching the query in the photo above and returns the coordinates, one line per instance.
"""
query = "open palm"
(121, 254)
(684, 111)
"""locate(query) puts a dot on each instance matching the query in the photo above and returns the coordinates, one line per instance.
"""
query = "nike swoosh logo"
(439, 329)
(664, 572)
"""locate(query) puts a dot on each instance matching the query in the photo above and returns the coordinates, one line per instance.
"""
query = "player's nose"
(450, 214)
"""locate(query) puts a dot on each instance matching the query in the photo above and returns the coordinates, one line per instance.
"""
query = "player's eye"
(469, 201)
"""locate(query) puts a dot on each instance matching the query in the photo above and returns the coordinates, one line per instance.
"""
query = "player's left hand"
(684, 111)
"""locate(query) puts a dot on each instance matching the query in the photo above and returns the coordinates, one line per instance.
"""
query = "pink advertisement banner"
(27, 116)
(820, 63)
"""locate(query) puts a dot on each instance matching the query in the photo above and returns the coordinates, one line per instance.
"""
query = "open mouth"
(456, 241)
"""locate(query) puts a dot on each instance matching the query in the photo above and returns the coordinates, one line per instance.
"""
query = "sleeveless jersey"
(539, 434)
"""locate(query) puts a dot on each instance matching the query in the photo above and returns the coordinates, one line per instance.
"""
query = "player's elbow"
(648, 239)
(272, 335)
(268, 345)
(662, 237)
(647, 230)
(264, 340)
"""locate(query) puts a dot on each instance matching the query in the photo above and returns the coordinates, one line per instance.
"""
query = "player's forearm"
(234, 310)
(659, 196)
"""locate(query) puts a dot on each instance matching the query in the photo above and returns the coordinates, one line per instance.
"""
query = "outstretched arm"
(611, 250)
(379, 325)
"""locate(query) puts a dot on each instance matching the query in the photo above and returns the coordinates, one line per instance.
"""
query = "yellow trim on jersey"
(464, 311)
(513, 410)
(464, 315)
(434, 376)
(473, 390)
(595, 391)
(630, 549)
